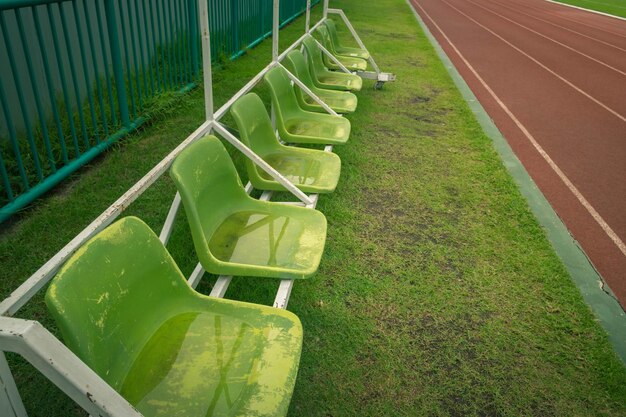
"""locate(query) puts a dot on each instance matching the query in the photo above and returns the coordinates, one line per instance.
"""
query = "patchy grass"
(614, 7)
(438, 293)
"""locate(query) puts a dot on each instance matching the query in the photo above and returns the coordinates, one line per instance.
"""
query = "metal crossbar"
(332, 57)
(42, 349)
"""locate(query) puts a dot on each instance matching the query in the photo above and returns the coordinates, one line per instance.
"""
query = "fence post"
(234, 25)
(193, 34)
(116, 58)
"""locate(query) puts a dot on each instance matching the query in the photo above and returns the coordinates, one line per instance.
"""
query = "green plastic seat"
(300, 126)
(310, 170)
(339, 101)
(322, 77)
(235, 234)
(126, 310)
(353, 64)
(337, 48)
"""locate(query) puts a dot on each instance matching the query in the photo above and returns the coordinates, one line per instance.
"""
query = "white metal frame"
(40, 347)
(378, 75)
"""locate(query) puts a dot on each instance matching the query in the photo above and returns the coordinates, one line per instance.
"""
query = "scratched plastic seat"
(322, 76)
(339, 101)
(235, 234)
(296, 125)
(311, 170)
(126, 310)
(337, 48)
(353, 64)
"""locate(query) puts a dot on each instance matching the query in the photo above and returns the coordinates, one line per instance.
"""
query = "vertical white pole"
(275, 28)
(273, 118)
(307, 25)
(203, 15)
(10, 402)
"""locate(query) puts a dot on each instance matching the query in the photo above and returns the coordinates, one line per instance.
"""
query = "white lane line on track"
(592, 211)
(589, 96)
(590, 10)
(604, 4)
(559, 26)
(556, 13)
(550, 39)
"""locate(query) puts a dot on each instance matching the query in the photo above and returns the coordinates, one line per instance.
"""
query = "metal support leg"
(10, 401)
(166, 231)
(63, 368)
(380, 77)
(283, 294)
(196, 276)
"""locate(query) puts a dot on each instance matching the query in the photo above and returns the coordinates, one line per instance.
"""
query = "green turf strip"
(614, 7)
(594, 290)
(438, 294)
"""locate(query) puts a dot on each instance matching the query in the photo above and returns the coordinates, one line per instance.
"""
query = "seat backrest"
(110, 296)
(332, 32)
(283, 97)
(254, 125)
(296, 63)
(314, 56)
(208, 183)
(324, 39)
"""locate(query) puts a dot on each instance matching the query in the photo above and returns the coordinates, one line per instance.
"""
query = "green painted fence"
(77, 75)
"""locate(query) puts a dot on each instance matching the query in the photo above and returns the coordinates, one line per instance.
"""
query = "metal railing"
(77, 75)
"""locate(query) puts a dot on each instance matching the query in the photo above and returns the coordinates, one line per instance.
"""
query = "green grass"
(438, 293)
(614, 7)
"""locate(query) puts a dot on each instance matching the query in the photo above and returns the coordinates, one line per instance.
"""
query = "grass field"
(614, 7)
(438, 295)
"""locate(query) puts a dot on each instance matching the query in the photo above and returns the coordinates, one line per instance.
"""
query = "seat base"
(312, 171)
(352, 52)
(322, 129)
(340, 81)
(353, 64)
(339, 101)
(224, 362)
(270, 240)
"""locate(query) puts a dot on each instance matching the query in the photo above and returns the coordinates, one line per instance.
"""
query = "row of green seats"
(124, 307)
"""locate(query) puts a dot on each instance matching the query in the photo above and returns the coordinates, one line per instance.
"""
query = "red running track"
(553, 79)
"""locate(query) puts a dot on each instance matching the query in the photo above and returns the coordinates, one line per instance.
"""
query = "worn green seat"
(310, 170)
(235, 234)
(339, 101)
(125, 309)
(322, 76)
(351, 63)
(337, 48)
(300, 126)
